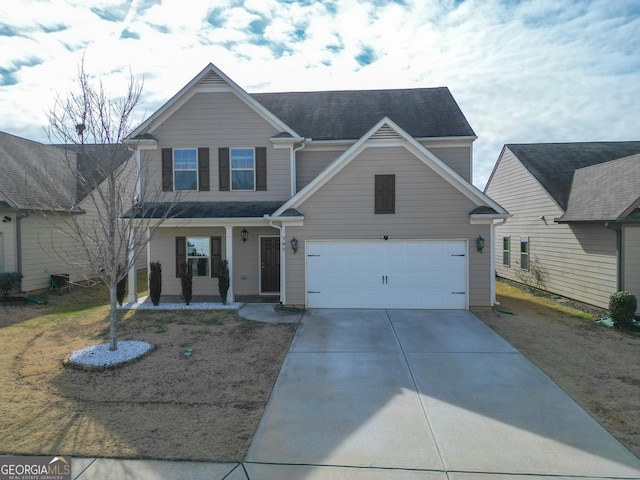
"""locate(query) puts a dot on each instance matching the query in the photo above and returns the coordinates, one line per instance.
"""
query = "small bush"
(9, 281)
(223, 280)
(622, 308)
(155, 282)
(186, 282)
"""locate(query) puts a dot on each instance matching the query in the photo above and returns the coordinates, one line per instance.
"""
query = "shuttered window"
(385, 194)
(185, 169)
(524, 253)
(203, 254)
(242, 169)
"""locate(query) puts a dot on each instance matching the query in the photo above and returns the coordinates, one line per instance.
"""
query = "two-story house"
(327, 199)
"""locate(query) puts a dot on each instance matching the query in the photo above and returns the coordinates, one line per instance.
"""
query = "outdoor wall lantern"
(6, 219)
(294, 244)
(480, 243)
(244, 235)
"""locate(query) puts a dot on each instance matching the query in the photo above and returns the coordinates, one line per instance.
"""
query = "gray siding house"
(575, 228)
(325, 199)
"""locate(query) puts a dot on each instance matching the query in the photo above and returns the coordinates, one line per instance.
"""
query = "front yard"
(205, 406)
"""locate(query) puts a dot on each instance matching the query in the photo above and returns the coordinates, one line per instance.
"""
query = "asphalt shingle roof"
(209, 209)
(604, 192)
(553, 164)
(348, 115)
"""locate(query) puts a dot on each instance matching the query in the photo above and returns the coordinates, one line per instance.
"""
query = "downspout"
(616, 228)
(283, 278)
(19, 216)
(294, 173)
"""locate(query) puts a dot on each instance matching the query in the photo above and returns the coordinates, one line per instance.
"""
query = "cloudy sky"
(522, 71)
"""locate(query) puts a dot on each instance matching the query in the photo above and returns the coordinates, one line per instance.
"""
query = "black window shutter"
(385, 194)
(261, 168)
(216, 256)
(203, 169)
(181, 253)
(223, 169)
(167, 170)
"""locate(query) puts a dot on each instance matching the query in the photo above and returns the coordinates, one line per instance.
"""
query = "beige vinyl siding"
(631, 259)
(215, 120)
(427, 207)
(579, 261)
(458, 158)
(8, 245)
(309, 163)
(246, 264)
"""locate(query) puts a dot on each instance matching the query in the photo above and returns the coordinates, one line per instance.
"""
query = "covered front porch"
(252, 244)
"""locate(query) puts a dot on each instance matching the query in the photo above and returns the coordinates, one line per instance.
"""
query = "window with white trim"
(198, 255)
(185, 168)
(506, 251)
(524, 253)
(243, 169)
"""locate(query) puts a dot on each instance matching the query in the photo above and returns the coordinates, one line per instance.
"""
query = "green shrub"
(186, 282)
(8, 282)
(622, 308)
(155, 282)
(223, 280)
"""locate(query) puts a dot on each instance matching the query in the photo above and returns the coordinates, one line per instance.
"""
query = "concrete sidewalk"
(435, 395)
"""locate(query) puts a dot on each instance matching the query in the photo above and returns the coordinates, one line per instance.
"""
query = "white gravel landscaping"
(99, 356)
(142, 304)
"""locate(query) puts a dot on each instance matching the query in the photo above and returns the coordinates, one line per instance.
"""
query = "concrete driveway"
(436, 395)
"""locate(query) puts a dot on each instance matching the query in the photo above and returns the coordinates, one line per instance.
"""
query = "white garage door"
(387, 274)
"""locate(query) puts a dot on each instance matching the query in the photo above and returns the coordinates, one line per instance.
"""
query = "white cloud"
(522, 71)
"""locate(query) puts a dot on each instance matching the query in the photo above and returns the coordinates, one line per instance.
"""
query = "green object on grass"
(37, 301)
(504, 311)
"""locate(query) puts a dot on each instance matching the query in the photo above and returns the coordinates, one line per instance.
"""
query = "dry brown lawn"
(597, 366)
(168, 406)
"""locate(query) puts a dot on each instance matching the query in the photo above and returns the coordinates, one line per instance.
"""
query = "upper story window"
(243, 173)
(242, 169)
(185, 168)
(385, 194)
(506, 251)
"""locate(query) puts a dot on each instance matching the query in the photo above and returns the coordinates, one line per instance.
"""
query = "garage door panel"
(390, 274)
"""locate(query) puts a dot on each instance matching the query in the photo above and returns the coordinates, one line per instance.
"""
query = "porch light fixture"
(244, 235)
(294, 244)
(6, 219)
(480, 243)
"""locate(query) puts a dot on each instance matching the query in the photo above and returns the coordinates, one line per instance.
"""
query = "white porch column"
(229, 258)
(283, 264)
(132, 281)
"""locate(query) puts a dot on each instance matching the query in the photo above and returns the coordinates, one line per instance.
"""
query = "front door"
(270, 264)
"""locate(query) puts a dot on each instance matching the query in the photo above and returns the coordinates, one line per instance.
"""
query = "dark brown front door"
(270, 264)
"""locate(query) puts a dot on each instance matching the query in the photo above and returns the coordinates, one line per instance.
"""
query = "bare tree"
(108, 183)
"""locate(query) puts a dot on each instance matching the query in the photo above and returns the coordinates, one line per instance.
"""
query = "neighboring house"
(326, 199)
(575, 228)
(38, 181)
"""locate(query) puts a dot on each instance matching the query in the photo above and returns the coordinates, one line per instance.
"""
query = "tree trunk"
(113, 318)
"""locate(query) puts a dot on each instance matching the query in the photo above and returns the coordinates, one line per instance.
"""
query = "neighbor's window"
(506, 251)
(185, 168)
(198, 255)
(243, 172)
(524, 253)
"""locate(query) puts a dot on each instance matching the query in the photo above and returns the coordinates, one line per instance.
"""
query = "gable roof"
(388, 133)
(553, 164)
(26, 165)
(349, 114)
(211, 78)
(604, 192)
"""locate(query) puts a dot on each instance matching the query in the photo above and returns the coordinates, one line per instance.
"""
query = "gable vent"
(385, 132)
(212, 78)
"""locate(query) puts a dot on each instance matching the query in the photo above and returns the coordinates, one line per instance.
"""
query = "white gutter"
(293, 165)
